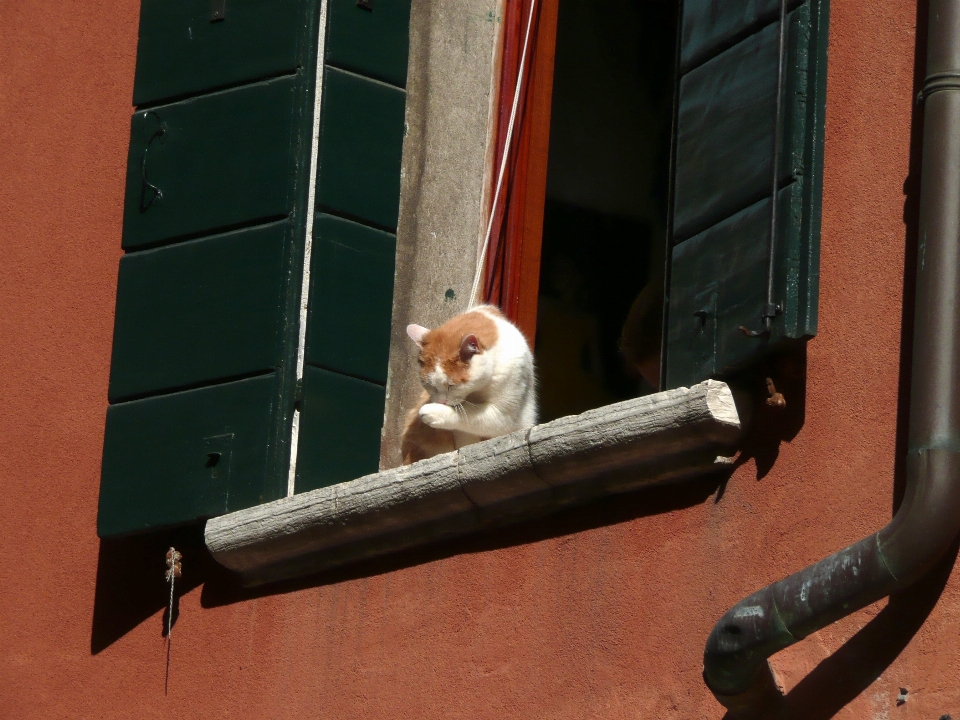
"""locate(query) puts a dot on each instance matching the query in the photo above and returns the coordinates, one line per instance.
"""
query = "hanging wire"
(503, 162)
(174, 570)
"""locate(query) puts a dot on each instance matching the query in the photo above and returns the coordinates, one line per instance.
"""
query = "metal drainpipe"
(735, 658)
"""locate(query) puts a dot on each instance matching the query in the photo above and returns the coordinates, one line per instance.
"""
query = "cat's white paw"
(436, 415)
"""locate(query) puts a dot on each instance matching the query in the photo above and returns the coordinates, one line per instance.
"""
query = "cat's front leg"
(483, 419)
(439, 416)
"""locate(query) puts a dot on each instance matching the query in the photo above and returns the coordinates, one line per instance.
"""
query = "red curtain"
(501, 283)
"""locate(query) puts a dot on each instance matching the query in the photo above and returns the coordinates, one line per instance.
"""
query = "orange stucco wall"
(601, 612)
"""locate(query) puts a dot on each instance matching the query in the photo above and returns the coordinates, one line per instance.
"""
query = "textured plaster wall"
(600, 613)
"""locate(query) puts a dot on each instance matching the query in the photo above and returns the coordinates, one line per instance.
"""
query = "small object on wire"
(174, 570)
(776, 399)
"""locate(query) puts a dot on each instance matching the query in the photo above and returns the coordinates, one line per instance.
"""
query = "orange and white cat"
(477, 373)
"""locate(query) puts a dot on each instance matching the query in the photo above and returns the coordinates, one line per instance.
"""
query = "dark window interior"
(605, 220)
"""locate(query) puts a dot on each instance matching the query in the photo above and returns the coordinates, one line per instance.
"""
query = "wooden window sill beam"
(530, 473)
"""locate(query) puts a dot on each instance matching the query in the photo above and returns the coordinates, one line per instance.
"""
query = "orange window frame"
(512, 264)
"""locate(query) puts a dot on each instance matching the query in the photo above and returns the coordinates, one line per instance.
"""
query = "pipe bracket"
(938, 82)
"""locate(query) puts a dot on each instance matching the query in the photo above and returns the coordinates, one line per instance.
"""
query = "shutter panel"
(354, 242)
(199, 311)
(203, 385)
(708, 26)
(339, 428)
(186, 455)
(720, 213)
(351, 299)
(222, 160)
(373, 43)
(361, 139)
(181, 52)
(203, 381)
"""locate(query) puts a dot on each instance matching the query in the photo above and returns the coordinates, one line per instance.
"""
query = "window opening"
(605, 214)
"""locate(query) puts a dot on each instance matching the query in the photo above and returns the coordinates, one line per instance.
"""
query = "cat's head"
(455, 359)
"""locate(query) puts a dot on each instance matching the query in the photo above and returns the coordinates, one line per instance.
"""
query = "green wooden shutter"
(720, 214)
(354, 241)
(203, 387)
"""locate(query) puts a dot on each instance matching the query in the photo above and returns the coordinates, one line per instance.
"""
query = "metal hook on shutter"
(771, 308)
(770, 311)
(146, 185)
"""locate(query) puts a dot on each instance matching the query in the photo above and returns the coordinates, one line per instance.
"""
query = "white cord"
(308, 243)
(503, 163)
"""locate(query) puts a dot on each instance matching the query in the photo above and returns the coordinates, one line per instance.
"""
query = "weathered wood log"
(529, 473)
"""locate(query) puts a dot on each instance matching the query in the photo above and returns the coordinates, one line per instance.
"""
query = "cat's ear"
(469, 347)
(416, 333)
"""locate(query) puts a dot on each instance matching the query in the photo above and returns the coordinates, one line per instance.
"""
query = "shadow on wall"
(131, 585)
(768, 426)
(653, 500)
(130, 571)
(840, 678)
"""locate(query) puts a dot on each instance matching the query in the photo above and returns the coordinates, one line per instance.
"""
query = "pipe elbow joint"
(735, 658)
(927, 522)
